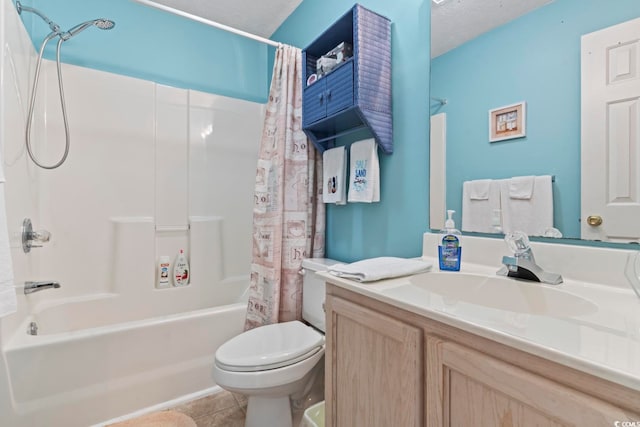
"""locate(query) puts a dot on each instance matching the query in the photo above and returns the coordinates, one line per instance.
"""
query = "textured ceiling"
(260, 17)
(470, 18)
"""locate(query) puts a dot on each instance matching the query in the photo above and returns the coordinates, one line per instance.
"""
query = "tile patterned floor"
(223, 409)
(217, 410)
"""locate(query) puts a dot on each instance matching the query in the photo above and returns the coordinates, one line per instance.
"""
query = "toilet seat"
(269, 347)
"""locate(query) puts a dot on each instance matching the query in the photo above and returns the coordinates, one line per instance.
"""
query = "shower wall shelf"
(356, 94)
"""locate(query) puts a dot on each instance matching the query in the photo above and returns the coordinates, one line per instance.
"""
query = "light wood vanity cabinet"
(375, 365)
(388, 367)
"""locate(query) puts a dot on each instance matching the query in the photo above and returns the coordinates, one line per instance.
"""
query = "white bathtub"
(83, 369)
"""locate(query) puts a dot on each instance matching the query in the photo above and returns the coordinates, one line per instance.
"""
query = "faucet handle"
(518, 242)
(29, 236)
(40, 236)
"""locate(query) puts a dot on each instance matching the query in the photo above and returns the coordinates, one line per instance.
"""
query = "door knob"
(594, 220)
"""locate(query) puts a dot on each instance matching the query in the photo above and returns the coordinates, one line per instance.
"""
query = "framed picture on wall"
(507, 122)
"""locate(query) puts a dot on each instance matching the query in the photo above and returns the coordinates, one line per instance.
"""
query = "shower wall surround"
(16, 60)
(147, 162)
(152, 169)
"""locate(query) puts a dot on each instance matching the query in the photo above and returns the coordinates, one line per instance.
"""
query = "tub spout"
(31, 287)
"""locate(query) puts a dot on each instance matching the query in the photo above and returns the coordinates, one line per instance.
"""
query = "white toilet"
(276, 363)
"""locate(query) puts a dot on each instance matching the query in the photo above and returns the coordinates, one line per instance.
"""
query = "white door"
(611, 133)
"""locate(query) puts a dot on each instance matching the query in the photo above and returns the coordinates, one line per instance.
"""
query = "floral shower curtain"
(288, 213)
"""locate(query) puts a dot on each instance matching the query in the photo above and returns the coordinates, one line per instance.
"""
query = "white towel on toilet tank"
(7, 290)
(527, 204)
(364, 177)
(334, 174)
(480, 203)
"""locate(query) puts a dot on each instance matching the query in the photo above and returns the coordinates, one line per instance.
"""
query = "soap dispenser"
(450, 248)
(181, 270)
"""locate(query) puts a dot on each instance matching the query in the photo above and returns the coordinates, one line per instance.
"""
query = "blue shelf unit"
(356, 94)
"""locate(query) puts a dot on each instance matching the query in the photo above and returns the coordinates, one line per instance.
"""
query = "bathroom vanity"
(471, 348)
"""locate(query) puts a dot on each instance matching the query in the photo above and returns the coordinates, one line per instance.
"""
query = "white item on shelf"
(181, 270)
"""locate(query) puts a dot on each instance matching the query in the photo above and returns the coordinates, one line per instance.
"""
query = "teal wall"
(535, 59)
(395, 225)
(154, 45)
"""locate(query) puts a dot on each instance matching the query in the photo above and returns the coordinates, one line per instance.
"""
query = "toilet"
(275, 364)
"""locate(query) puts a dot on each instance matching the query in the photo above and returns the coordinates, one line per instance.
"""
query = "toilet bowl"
(275, 364)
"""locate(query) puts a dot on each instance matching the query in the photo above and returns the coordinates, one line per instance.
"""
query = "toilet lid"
(269, 347)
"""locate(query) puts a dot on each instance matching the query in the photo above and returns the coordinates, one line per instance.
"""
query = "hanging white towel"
(7, 289)
(364, 178)
(480, 201)
(479, 189)
(533, 215)
(521, 187)
(372, 269)
(334, 174)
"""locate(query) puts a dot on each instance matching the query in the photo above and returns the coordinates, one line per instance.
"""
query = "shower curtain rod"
(209, 22)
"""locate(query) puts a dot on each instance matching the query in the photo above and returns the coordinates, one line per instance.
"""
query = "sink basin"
(493, 292)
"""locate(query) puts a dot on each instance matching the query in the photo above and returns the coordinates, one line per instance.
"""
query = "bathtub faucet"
(31, 287)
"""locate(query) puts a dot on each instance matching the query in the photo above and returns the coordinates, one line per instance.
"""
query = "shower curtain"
(288, 215)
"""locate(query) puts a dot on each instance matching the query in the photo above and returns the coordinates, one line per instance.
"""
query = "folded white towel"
(479, 189)
(334, 173)
(521, 187)
(7, 290)
(372, 269)
(532, 216)
(479, 215)
(364, 178)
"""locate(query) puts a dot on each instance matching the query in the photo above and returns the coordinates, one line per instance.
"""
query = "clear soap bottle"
(450, 247)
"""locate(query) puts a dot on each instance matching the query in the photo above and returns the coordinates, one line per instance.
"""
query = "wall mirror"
(531, 54)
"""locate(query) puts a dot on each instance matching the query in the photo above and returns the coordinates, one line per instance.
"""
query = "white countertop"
(604, 341)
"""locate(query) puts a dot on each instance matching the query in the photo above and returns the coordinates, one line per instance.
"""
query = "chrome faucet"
(31, 287)
(522, 265)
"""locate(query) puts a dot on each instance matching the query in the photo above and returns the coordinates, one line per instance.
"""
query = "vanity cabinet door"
(465, 387)
(374, 374)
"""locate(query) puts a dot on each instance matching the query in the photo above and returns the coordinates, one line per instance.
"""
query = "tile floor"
(224, 409)
(217, 410)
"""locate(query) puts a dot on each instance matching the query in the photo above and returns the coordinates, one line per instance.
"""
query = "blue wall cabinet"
(356, 94)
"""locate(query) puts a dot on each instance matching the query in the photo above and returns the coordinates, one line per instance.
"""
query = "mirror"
(534, 58)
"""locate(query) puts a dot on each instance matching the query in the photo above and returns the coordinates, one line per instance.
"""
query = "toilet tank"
(313, 290)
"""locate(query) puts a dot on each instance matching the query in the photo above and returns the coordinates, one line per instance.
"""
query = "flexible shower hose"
(62, 102)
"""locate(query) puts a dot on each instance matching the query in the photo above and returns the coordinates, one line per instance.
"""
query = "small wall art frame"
(507, 122)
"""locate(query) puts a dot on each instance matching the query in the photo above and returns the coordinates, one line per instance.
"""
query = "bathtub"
(83, 368)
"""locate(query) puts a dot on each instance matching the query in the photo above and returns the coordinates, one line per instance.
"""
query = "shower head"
(103, 24)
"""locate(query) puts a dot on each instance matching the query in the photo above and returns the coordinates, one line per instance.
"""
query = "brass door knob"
(594, 220)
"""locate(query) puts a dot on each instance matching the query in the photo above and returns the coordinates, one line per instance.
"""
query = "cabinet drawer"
(339, 91)
(314, 105)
